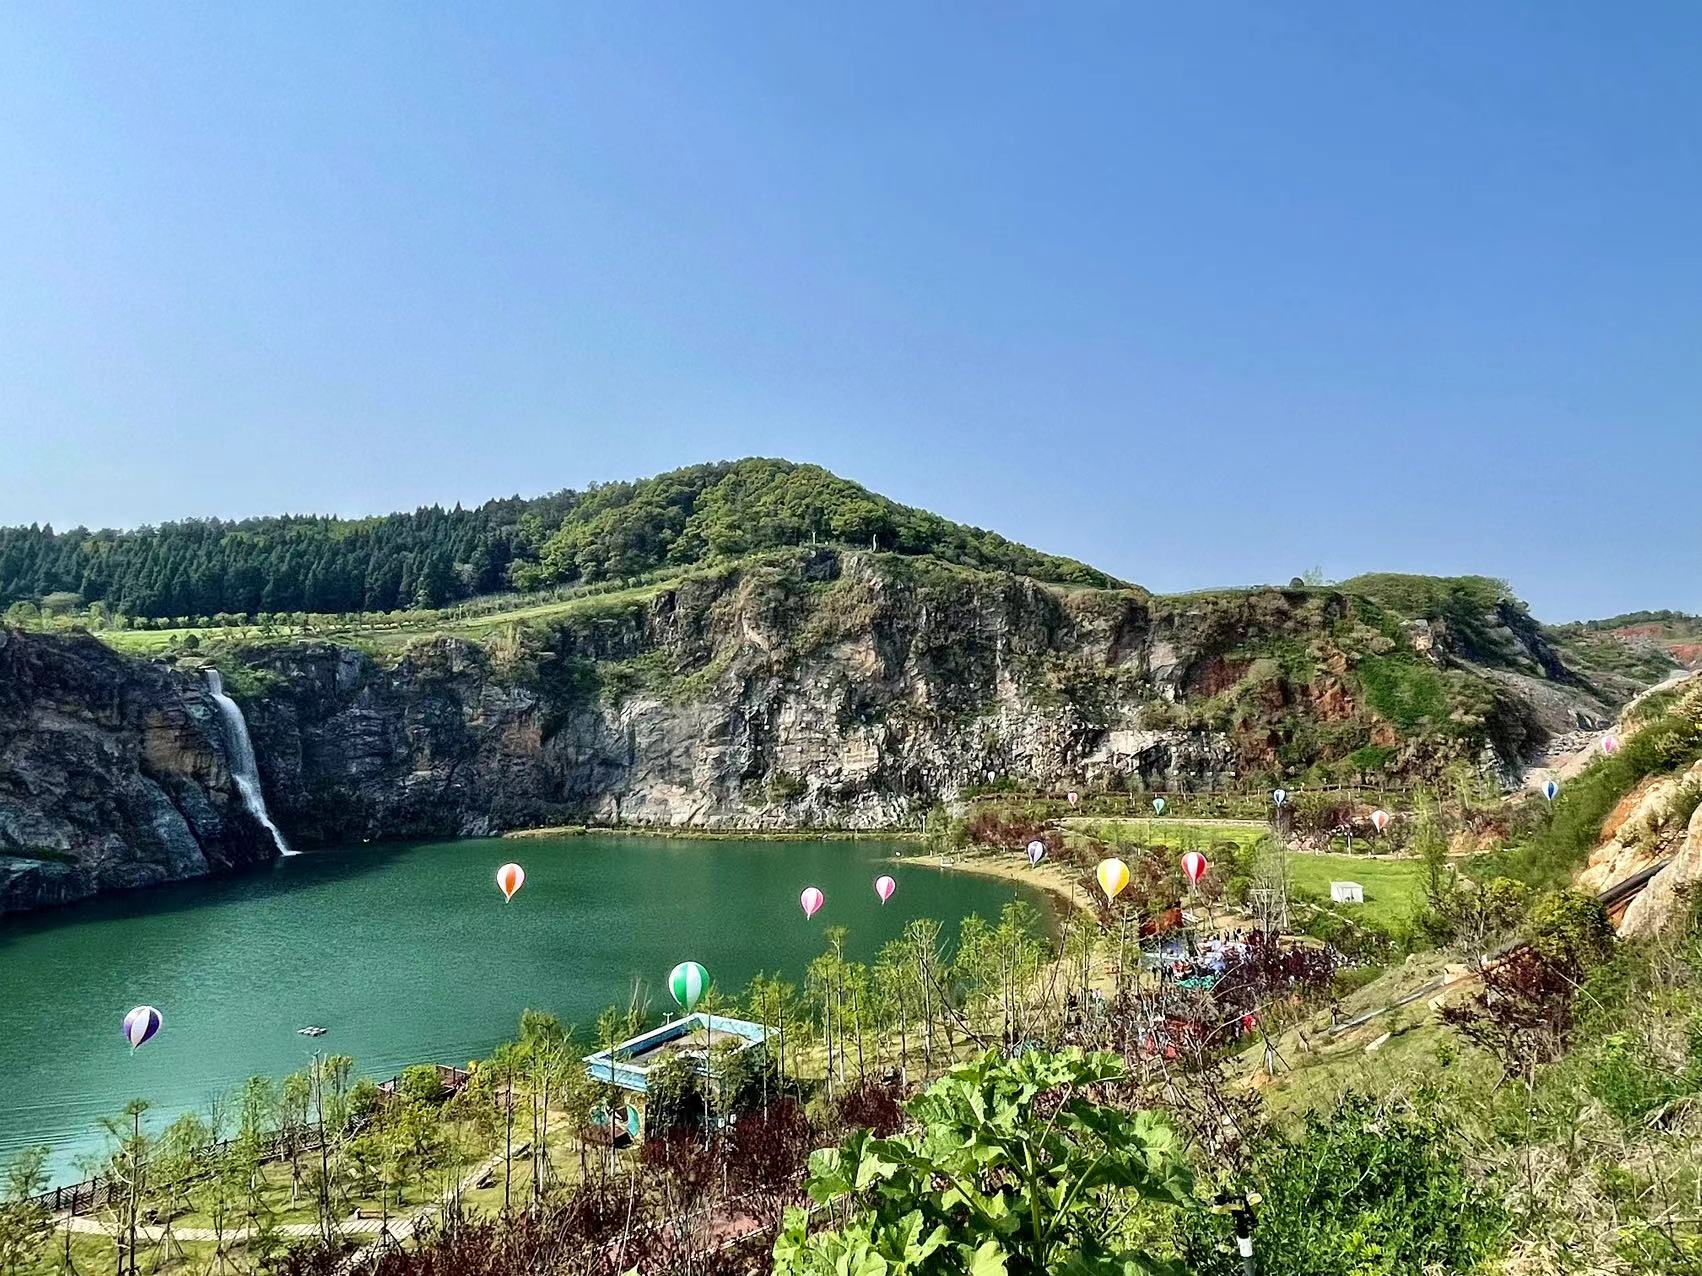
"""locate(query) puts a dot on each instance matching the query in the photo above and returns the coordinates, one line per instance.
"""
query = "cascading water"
(242, 767)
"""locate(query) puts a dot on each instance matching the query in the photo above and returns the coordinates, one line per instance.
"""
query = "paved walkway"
(86, 1226)
(399, 1228)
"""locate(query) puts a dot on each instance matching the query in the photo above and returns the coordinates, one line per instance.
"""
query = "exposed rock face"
(112, 775)
(836, 688)
(1666, 901)
(729, 702)
(1658, 820)
(821, 688)
(1637, 831)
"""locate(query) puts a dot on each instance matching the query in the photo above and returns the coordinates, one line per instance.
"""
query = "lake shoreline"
(1009, 866)
(690, 834)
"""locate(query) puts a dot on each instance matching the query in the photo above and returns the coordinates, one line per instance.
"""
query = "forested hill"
(435, 556)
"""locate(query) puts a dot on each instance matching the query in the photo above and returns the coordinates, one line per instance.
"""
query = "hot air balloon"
(1074, 797)
(1279, 796)
(884, 887)
(140, 1025)
(1113, 877)
(812, 900)
(1194, 867)
(1610, 742)
(688, 981)
(1380, 818)
(1158, 806)
(510, 878)
(1550, 789)
(1036, 852)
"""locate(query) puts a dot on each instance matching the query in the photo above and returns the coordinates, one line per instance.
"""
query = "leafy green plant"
(1014, 1168)
(1366, 1190)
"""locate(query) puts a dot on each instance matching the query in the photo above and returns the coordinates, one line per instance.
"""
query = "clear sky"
(1203, 294)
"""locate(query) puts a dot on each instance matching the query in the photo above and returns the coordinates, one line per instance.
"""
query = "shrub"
(1365, 1189)
(1015, 1166)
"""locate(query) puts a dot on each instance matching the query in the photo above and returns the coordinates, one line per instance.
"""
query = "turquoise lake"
(407, 954)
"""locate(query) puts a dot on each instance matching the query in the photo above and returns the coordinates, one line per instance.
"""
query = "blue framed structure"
(627, 1066)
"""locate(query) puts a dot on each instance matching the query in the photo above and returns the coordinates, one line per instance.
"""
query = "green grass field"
(1393, 888)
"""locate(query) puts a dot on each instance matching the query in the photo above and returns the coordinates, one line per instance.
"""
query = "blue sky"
(1203, 294)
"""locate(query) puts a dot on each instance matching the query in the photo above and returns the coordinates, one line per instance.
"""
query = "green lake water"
(408, 954)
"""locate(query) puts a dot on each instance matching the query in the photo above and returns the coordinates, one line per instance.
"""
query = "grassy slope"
(1393, 888)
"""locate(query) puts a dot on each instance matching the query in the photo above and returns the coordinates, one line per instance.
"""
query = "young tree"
(295, 1102)
(328, 1087)
(125, 1166)
(182, 1154)
(25, 1223)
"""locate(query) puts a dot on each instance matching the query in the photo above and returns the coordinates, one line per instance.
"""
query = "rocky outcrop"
(1640, 831)
(847, 693)
(807, 688)
(113, 774)
(1666, 901)
(1658, 822)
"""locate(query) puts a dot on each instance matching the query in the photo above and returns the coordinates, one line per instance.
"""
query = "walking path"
(386, 1231)
(156, 1231)
(404, 1228)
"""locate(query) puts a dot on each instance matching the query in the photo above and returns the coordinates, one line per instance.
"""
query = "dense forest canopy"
(434, 556)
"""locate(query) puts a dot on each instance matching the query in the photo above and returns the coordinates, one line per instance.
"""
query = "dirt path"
(1572, 752)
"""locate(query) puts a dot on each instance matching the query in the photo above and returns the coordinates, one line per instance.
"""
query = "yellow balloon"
(1113, 877)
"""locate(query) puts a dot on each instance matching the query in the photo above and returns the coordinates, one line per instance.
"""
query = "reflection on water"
(407, 954)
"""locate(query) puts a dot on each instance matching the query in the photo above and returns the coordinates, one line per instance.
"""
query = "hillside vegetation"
(433, 556)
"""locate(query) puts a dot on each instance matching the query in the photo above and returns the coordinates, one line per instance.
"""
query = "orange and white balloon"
(812, 900)
(510, 878)
(1194, 866)
(1113, 877)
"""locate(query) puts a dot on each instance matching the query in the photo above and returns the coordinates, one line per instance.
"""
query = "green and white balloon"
(688, 981)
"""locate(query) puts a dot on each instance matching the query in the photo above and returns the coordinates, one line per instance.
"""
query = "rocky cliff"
(803, 688)
(113, 774)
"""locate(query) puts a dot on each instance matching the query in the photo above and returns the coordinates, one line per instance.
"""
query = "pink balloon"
(1609, 743)
(884, 887)
(1074, 797)
(812, 900)
(1380, 819)
(1194, 865)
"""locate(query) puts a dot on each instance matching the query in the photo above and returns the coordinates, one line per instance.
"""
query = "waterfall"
(242, 768)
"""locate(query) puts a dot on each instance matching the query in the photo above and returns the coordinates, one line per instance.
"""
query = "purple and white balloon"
(140, 1025)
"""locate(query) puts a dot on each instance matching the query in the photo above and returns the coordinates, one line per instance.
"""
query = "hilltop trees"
(433, 557)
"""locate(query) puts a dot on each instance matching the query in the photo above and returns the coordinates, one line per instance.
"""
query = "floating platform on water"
(311, 1031)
